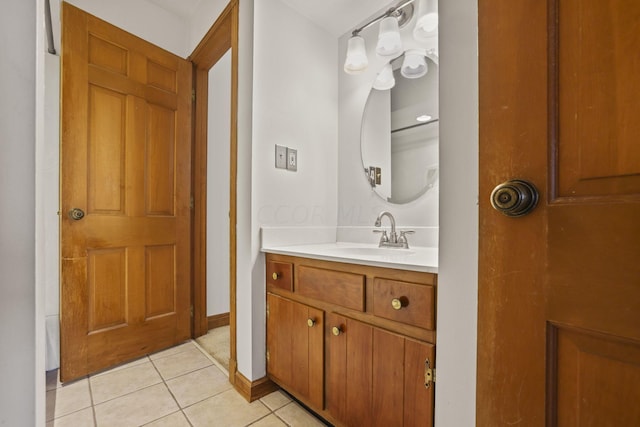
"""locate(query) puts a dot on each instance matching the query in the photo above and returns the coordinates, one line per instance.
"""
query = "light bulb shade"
(414, 64)
(427, 22)
(389, 40)
(385, 79)
(356, 60)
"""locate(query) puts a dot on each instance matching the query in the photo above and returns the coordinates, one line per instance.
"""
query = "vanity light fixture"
(385, 79)
(356, 60)
(427, 22)
(389, 39)
(414, 64)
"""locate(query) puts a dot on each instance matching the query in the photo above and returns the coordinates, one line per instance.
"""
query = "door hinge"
(191, 203)
(429, 374)
(267, 311)
(268, 355)
(193, 95)
(191, 310)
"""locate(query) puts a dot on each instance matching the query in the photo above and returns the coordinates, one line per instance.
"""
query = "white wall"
(458, 256)
(358, 204)
(18, 329)
(295, 105)
(218, 136)
(47, 238)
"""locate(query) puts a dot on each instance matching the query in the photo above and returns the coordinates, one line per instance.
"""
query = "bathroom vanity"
(353, 339)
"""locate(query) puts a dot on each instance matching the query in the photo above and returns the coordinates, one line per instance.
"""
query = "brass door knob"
(396, 303)
(311, 322)
(275, 276)
(76, 214)
(336, 330)
(514, 198)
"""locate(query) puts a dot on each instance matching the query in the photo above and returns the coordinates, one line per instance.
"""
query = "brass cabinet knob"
(275, 276)
(336, 330)
(311, 322)
(396, 303)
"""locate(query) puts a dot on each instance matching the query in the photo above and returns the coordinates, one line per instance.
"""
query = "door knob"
(515, 197)
(76, 214)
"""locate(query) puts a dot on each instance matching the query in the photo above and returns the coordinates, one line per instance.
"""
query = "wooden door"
(559, 289)
(125, 162)
(295, 347)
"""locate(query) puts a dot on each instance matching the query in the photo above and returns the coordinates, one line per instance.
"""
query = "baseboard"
(253, 390)
(217, 320)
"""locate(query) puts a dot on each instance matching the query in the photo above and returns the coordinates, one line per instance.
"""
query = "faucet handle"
(384, 238)
(403, 238)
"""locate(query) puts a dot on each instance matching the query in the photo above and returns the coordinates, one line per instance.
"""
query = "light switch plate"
(281, 157)
(292, 159)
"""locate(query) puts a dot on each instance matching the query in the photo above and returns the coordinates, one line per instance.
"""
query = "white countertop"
(415, 258)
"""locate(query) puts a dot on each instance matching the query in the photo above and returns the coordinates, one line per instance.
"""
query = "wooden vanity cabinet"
(334, 343)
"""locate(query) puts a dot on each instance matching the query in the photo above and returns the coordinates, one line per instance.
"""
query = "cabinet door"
(374, 377)
(348, 386)
(418, 398)
(295, 347)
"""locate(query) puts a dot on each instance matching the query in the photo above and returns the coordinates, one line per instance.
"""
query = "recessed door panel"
(160, 288)
(160, 160)
(106, 150)
(596, 380)
(598, 102)
(107, 282)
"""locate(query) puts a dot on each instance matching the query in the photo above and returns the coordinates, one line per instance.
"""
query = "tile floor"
(181, 386)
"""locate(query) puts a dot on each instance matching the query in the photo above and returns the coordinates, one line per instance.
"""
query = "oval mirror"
(399, 135)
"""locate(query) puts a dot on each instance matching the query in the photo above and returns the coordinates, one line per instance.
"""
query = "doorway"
(215, 62)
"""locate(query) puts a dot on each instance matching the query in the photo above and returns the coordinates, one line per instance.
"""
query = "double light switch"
(286, 158)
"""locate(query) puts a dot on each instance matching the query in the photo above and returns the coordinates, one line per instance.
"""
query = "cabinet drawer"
(404, 302)
(336, 287)
(280, 275)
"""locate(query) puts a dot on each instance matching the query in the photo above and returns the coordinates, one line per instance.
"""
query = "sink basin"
(372, 251)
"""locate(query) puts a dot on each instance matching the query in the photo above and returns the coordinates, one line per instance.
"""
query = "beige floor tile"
(82, 418)
(68, 398)
(126, 365)
(198, 385)
(270, 421)
(181, 363)
(177, 419)
(275, 400)
(119, 382)
(227, 409)
(173, 350)
(137, 408)
(296, 416)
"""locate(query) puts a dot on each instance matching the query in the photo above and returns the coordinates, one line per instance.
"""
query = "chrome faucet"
(392, 240)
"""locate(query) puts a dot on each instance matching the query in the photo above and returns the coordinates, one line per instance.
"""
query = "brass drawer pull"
(275, 276)
(311, 322)
(336, 330)
(397, 303)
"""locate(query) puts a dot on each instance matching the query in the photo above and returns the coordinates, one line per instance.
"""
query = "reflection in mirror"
(400, 132)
